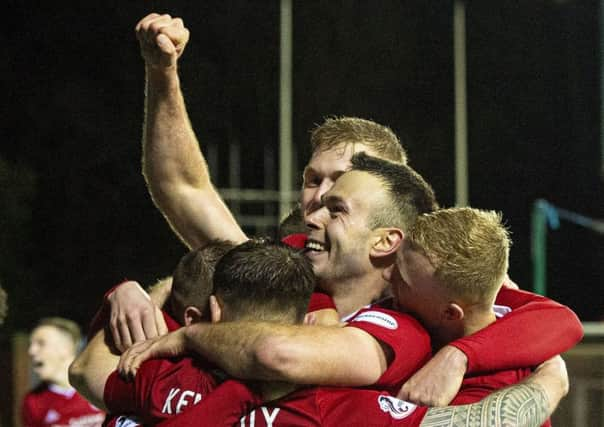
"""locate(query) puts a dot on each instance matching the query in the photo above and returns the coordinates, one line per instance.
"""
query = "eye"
(312, 181)
(335, 210)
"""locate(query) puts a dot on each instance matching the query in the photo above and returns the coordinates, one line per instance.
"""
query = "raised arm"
(173, 165)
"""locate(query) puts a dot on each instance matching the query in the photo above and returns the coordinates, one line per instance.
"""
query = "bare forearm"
(232, 346)
(171, 151)
(524, 405)
(292, 353)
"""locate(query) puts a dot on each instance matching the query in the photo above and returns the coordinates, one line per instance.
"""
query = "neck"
(355, 293)
(476, 320)
(62, 378)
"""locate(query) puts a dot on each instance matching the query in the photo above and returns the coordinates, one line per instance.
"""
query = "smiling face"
(51, 351)
(322, 171)
(340, 238)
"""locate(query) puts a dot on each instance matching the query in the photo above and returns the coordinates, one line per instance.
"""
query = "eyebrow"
(333, 199)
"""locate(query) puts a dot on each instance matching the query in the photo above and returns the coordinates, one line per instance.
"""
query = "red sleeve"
(131, 397)
(119, 396)
(320, 301)
(408, 340)
(340, 407)
(223, 406)
(509, 343)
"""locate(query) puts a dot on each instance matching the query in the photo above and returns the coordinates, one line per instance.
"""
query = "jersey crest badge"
(397, 408)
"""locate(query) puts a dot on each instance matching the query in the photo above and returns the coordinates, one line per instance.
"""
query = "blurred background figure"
(54, 343)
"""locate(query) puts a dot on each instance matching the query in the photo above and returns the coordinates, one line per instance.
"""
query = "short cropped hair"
(409, 194)
(469, 249)
(336, 131)
(292, 223)
(192, 278)
(68, 327)
(263, 280)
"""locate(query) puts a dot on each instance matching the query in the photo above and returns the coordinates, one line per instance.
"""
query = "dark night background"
(76, 217)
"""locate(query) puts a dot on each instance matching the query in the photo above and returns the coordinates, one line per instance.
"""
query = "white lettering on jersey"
(397, 408)
(186, 397)
(377, 318)
(269, 417)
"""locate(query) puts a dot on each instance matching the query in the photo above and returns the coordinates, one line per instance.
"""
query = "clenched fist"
(162, 40)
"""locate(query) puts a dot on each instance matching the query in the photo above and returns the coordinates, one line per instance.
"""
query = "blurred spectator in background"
(54, 343)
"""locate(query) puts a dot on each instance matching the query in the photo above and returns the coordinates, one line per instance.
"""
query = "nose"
(315, 202)
(317, 219)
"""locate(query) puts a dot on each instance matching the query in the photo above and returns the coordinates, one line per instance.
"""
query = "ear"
(215, 309)
(386, 242)
(453, 312)
(192, 315)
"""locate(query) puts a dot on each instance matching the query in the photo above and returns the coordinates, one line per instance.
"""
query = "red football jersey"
(161, 388)
(409, 341)
(51, 405)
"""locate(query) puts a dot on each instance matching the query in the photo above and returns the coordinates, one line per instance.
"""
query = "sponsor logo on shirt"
(377, 318)
(123, 421)
(398, 409)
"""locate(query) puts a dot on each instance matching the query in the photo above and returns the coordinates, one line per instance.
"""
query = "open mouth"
(315, 246)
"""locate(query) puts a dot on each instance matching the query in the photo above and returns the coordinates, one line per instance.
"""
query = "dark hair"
(263, 280)
(410, 194)
(293, 223)
(192, 278)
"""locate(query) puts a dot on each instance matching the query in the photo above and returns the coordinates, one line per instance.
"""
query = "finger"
(136, 329)
(143, 21)
(165, 44)
(124, 332)
(403, 393)
(123, 363)
(115, 333)
(162, 328)
(177, 33)
(149, 324)
(150, 28)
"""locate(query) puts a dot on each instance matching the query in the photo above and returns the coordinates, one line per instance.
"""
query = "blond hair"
(468, 248)
(353, 130)
(66, 326)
